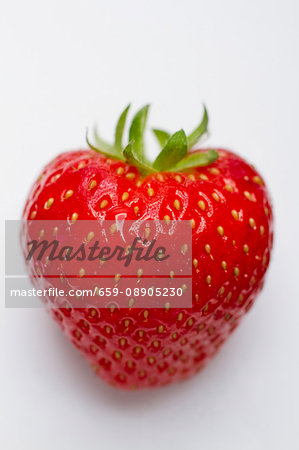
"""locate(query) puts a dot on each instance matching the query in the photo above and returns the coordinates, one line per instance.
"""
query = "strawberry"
(228, 207)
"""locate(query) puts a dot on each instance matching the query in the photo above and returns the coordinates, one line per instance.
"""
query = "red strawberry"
(227, 204)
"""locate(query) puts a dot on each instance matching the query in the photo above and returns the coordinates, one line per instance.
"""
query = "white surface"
(65, 64)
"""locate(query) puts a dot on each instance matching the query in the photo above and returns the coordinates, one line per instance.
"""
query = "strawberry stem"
(174, 155)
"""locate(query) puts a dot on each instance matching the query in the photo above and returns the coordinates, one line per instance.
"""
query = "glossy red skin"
(140, 348)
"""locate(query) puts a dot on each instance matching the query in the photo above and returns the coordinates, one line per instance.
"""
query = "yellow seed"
(151, 360)
(160, 177)
(171, 274)
(180, 316)
(245, 248)
(220, 230)
(191, 177)
(195, 263)
(131, 302)
(53, 179)
(202, 176)
(178, 178)
(190, 322)
(113, 228)
(240, 299)
(120, 170)
(69, 193)
(229, 187)
(202, 205)
(235, 214)
(224, 265)
(252, 222)
(167, 219)
(208, 249)
(145, 314)
(247, 195)
(93, 312)
(221, 290)
(215, 196)
(267, 212)
(177, 204)
(49, 203)
(257, 180)
(117, 277)
(90, 236)
(160, 254)
(139, 273)
(211, 330)
(92, 184)
(33, 214)
(236, 271)
(147, 233)
(228, 297)
(150, 192)
(125, 196)
(262, 230)
(123, 342)
(184, 249)
(81, 272)
(184, 287)
(103, 203)
(160, 329)
(214, 171)
(192, 223)
(136, 209)
(130, 175)
(209, 279)
(74, 217)
(77, 334)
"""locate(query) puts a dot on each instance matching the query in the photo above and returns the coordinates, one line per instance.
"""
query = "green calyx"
(175, 154)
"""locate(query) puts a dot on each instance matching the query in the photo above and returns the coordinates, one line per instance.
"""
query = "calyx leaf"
(119, 130)
(196, 160)
(100, 142)
(110, 152)
(202, 128)
(174, 154)
(162, 136)
(137, 131)
(174, 150)
(131, 157)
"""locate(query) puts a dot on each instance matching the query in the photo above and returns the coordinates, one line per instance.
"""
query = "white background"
(65, 65)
